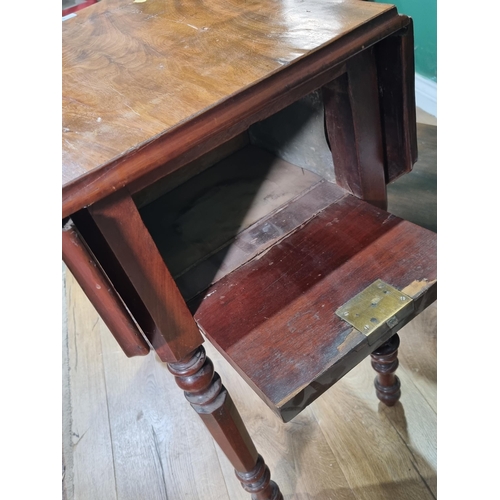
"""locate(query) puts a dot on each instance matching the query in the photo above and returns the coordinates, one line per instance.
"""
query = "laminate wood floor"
(129, 434)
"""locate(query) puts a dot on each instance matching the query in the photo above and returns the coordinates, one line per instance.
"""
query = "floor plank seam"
(157, 449)
(413, 460)
(424, 397)
(109, 425)
(222, 471)
(76, 342)
(67, 406)
(327, 441)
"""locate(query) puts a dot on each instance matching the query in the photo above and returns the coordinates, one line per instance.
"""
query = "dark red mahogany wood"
(119, 221)
(101, 293)
(385, 363)
(354, 130)
(396, 79)
(274, 318)
(258, 482)
(142, 98)
(107, 259)
(209, 398)
(112, 140)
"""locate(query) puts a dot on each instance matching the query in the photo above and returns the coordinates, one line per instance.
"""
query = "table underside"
(265, 252)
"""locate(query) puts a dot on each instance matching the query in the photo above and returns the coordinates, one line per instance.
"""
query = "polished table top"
(150, 85)
(135, 73)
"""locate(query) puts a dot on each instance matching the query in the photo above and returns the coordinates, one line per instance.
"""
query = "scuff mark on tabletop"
(133, 110)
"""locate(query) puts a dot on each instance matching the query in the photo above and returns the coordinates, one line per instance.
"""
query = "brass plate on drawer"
(378, 308)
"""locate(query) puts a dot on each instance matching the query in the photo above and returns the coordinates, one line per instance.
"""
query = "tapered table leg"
(210, 399)
(179, 341)
(385, 362)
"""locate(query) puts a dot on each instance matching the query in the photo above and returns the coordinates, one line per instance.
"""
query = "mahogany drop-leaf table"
(224, 177)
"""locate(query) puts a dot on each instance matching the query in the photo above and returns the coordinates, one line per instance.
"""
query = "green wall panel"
(424, 14)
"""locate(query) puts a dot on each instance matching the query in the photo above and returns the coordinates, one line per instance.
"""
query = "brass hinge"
(376, 309)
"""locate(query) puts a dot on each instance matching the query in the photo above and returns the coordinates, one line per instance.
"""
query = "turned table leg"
(177, 339)
(385, 362)
(210, 399)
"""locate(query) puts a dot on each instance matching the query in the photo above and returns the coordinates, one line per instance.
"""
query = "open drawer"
(265, 253)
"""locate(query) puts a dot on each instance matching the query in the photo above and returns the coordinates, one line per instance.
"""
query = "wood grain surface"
(354, 128)
(256, 239)
(135, 72)
(208, 211)
(396, 77)
(274, 318)
(117, 276)
(135, 436)
(100, 160)
(131, 434)
(120, 223)
(100, 291)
